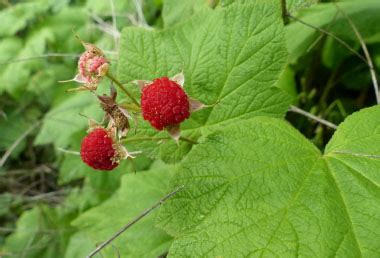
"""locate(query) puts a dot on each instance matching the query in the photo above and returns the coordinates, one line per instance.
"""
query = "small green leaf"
(296, 5)
(175, 12)
(62, 121)
(364, 15)
(17, 16)
(79, 244)
(287, 82)
(14, 126)
(41, 233)
(9, 47)
(6, 200)
(137, 193)
(16, 75)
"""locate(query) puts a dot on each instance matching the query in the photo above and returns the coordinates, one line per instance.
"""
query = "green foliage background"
(262, 181)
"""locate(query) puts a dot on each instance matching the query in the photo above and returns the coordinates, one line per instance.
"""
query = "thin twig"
(104, 26)
(136, 219)
(140, 14)
(321, 35)
(331, 35)
(17, 142)
(113, 11)
(120, 85)
(366, 53)
(313, 117)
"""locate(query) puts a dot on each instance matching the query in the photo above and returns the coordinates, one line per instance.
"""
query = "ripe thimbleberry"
(98, 150)
(164, 103)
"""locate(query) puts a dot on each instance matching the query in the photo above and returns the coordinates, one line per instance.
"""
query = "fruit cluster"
(164, 104)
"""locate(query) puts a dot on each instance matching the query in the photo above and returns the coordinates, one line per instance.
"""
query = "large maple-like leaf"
(260, 188)
(232, 56)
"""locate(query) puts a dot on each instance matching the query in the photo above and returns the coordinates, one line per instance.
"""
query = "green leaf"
(14, 126)
(41, 233)
(296, 5)
(137, 193)
(6, 200)
(364, 15)
(72, 167)
(79, 246)
(271, 193)
(175, 12)
(16, 75)
(102, 183)
(358, 134)
(44, 84)
(233, 55)
(287, 82)
(17, 16)
(291, 5)
(9, 47)
(62, 25)
(104, 8)
(64, 120)
(334, 53)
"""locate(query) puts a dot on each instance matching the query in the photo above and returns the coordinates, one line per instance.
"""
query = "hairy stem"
(120, 85)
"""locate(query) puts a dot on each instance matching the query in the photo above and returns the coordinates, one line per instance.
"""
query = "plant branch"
(136, 219)
(140, 14)
(313, 117)
(115, 38)
(366, 53)
(120, 85)
(331, 35)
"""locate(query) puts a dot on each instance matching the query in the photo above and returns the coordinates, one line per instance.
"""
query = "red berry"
(97, 150)
(164, 103)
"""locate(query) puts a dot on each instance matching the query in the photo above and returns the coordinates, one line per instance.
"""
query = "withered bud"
(117, 115)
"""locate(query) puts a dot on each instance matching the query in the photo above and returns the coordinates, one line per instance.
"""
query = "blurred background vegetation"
(43, 184)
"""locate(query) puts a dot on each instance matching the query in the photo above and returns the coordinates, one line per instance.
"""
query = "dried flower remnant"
(117, 115)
